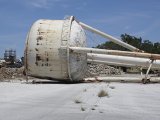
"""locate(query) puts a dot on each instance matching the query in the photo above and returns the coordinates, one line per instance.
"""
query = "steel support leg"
(146, 79)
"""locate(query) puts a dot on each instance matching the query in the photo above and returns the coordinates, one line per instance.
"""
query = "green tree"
(156, 48)
(134, 41)
(144, 45)
(147, 46)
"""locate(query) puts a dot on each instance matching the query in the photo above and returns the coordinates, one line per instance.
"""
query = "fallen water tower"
(47, 50)
(57, 49)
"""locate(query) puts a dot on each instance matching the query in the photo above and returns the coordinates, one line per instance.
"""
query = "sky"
(140, 18)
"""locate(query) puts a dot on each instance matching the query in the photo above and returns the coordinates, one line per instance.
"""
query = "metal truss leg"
(146, 79)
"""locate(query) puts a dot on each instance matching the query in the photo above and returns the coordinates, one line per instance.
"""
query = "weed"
(77, 101)
(100, 111)
(103, 93)
(83, 108)
(112, 87)
(93, 109)
(85, 90)
(95, 105)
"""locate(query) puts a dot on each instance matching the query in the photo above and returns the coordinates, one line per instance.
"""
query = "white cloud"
(65, 6)
(119, 18)
(46, 4)
(152, 27)
(39, 3)
(127, 27)
(43, 3)
(138, 14)
(108, 20)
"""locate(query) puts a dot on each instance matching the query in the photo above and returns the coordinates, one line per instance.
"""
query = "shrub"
(103, 93)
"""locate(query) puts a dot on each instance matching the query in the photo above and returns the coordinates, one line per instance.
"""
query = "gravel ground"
(58, 101)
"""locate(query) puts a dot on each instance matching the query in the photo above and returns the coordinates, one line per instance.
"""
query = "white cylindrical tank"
(44, 56)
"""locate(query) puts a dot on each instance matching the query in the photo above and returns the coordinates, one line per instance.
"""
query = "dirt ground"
(83, 101)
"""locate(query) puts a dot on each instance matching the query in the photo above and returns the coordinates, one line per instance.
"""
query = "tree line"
(137, 42)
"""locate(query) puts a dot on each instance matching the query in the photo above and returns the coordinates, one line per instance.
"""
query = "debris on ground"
(92, 71)
(11, 73)
(101, 70)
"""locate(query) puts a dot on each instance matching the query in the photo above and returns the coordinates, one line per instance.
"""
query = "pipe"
(110, 63)
(121, 79)
(115, 63)
(141, 62)
(114, 52)
(114, 79)
(111, 38)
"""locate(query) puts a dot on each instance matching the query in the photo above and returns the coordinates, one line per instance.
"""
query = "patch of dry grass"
(112, 87)
(83, 108)
(103, 93)
(85, 90)
(93, 108)
(77, 101)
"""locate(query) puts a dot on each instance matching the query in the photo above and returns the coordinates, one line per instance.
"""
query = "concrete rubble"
(11, 73)
(101, 70)
(92, 71)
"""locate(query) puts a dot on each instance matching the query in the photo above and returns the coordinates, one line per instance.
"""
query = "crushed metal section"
(77, 61)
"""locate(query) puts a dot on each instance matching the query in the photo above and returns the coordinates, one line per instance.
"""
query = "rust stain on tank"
(36, 63)
(36, 49)
(39, 38)
(38, 58)
(41, 32)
